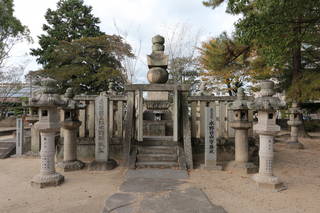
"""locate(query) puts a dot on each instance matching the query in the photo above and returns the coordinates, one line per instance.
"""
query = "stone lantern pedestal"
(48, 125)
(294, 122)
(241, 125)
(70, 162)
(267, 129)
(47, 176)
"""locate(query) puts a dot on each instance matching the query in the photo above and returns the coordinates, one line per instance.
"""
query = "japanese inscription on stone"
(101, 139)
(210, 135)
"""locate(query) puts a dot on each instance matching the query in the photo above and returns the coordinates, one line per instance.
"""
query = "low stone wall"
(86, 150)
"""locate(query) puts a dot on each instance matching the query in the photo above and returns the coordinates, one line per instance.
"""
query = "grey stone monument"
(102, 137)
(241, 124)
(294, 122)
(210, 162)
(70, 124)
(19, 136)
(266, 128)
(48, 126)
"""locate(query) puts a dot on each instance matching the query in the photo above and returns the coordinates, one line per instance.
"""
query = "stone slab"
(139, 184)
(190, 200)
(157, 173)
(120, 203)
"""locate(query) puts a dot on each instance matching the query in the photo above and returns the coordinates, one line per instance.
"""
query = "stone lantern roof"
(241, 103)
(48, 97)
(295, 108)
(266, 102)
(69, 103)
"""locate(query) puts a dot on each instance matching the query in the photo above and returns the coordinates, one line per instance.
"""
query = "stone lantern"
(70, 125)
(49, 126)
(241, 124)
(266, 128)
(295, 121)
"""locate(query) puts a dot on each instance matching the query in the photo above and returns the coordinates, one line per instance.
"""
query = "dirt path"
(83, 191)
(86, 191)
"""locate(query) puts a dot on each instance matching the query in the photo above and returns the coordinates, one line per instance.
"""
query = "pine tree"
(71, 20)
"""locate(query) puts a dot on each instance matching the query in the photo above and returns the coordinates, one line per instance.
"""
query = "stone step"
(157, 157)
(157, 138)
(158, 143)
(157, 150)
(7, 149)
(157, 165)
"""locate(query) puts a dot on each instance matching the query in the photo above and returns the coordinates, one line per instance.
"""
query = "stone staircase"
(6, 149)
(157, 153)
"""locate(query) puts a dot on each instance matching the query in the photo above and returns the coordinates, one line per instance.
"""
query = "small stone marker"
(210, 140)
(19, 136)
(102, 161)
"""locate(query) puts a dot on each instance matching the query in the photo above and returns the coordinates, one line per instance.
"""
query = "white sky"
(139, 19)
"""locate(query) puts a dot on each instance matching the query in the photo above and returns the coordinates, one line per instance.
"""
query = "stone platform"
(158, 191)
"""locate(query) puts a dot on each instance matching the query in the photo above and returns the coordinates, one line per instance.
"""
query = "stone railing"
(117, 107)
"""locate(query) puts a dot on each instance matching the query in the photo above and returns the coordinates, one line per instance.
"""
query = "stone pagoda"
(157, 113)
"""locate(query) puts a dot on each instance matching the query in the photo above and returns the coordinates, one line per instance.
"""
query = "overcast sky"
(139, 19)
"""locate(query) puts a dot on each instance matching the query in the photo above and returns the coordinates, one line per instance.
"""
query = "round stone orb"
(157, 75)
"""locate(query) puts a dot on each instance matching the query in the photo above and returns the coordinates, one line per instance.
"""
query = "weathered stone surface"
(157, 173)
(120, 203)
(150, 185)
(102, 165)
(210, 140)
(156, 191)
(190, 200)
(266, 128)
(69, 166)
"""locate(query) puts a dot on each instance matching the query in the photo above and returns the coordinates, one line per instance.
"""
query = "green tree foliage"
(89, 64)
(11, 29)
(232, 64)
(71, 20)
(287, 34)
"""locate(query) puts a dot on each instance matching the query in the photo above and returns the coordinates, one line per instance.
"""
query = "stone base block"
(211, 167)
(69, 166)
(102, 165)
(42, 181)
(269, 182)
(295, 145)
(242, 167)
